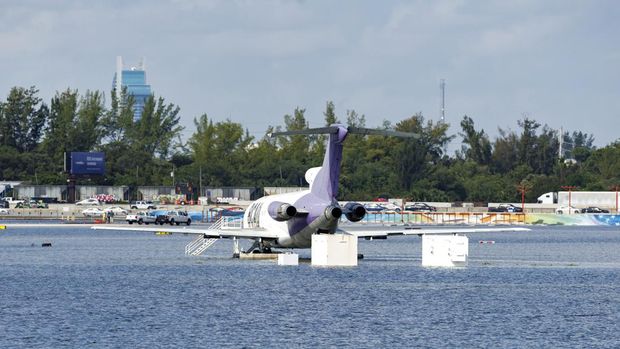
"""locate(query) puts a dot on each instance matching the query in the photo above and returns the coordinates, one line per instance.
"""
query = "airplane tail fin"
(325, 184)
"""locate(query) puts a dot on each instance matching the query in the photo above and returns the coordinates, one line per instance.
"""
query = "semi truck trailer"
(581, 199)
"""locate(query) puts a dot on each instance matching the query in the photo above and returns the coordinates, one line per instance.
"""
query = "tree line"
(34, 135)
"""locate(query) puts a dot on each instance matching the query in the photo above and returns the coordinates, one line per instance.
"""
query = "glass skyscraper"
(134, 79)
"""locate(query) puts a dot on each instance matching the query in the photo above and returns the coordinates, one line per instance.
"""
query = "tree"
(120, 116)
(330, 114)
(416, 155)
(74, 124)
(221, 151)
(22, 118)
(477, 146)
(156, 129)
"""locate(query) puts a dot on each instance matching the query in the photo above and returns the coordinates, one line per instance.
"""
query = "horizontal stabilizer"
(308, 131)
(350, 129)
(376, 132)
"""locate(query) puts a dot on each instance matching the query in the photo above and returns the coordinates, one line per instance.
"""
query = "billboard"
(85, 163)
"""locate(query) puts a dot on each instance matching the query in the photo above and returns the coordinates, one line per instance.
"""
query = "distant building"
(134, 79)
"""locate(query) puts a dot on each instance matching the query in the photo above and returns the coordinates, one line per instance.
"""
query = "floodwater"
(552, 287)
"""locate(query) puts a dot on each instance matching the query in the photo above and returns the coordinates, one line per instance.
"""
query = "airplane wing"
(249, 233)
(384, 231)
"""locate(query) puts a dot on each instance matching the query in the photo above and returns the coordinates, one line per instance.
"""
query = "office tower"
(134, 79)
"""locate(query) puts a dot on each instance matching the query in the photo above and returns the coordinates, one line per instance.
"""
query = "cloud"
(519, 36)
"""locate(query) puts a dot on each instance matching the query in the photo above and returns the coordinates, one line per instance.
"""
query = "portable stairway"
(202, 243)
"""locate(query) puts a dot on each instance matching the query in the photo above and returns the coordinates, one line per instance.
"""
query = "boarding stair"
(202, 242)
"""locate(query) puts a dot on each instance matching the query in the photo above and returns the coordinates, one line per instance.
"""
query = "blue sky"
(254, 61)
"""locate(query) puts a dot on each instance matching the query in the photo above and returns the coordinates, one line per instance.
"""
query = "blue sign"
(87, 163)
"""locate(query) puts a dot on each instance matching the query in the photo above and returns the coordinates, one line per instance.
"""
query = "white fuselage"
(290, 234)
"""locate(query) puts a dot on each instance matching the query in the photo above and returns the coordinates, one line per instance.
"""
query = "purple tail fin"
(325, 185)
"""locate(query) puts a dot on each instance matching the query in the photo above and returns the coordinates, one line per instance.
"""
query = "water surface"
(551, 287)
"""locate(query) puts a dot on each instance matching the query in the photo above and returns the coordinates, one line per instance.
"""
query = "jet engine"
(333, 212)
(354, 212)
(281, 211)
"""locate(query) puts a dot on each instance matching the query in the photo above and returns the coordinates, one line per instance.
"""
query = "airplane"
(290, 220)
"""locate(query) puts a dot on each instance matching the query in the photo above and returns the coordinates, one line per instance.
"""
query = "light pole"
(172, 175)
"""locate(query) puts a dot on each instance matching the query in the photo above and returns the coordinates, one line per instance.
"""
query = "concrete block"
(288, 259)
(444, 250)
(334, 250)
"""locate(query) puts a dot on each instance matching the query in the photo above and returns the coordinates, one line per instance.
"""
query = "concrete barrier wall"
(30, 191)
(479, 218)
(89, 191)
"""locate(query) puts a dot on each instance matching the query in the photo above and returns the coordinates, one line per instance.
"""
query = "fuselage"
(314, 215)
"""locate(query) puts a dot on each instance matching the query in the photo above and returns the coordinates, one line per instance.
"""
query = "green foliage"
(476, 144)
(416, 156)
(34, 137)
(22, 118)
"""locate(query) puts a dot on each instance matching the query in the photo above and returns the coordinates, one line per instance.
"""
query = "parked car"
(388, 206)
(143, 205)
(567, 209)
(505, 208)
(93, 212)
(374, 208)
(142, 218)
(593, 209)
(87, 202)
(4, 211)
(175, 217)
(117, 210)
(420, 207)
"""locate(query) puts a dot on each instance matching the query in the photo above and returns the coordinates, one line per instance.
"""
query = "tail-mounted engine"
(333, 213)
(354, 212)
(281, 211)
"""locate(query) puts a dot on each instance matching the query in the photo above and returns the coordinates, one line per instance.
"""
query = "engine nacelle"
(333, 212)
(281, 211)
(354, 212)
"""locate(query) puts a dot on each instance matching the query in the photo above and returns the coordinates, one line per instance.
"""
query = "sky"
(557, 62)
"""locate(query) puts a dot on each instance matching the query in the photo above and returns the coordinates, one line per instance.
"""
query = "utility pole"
(615, 188)
(561, 142)
(569, 188)
(200, 183)
(523, 189)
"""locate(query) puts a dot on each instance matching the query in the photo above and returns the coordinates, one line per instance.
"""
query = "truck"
(141, 217)
(175, 217)
(581, 199)
(143, 205)
(12, 201)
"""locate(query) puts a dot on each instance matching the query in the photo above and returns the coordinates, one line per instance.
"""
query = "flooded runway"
(551, 287)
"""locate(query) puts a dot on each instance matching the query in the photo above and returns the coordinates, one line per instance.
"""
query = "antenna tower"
(442, 88)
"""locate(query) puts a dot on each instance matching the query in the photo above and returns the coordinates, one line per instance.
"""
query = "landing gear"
(258, 247)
